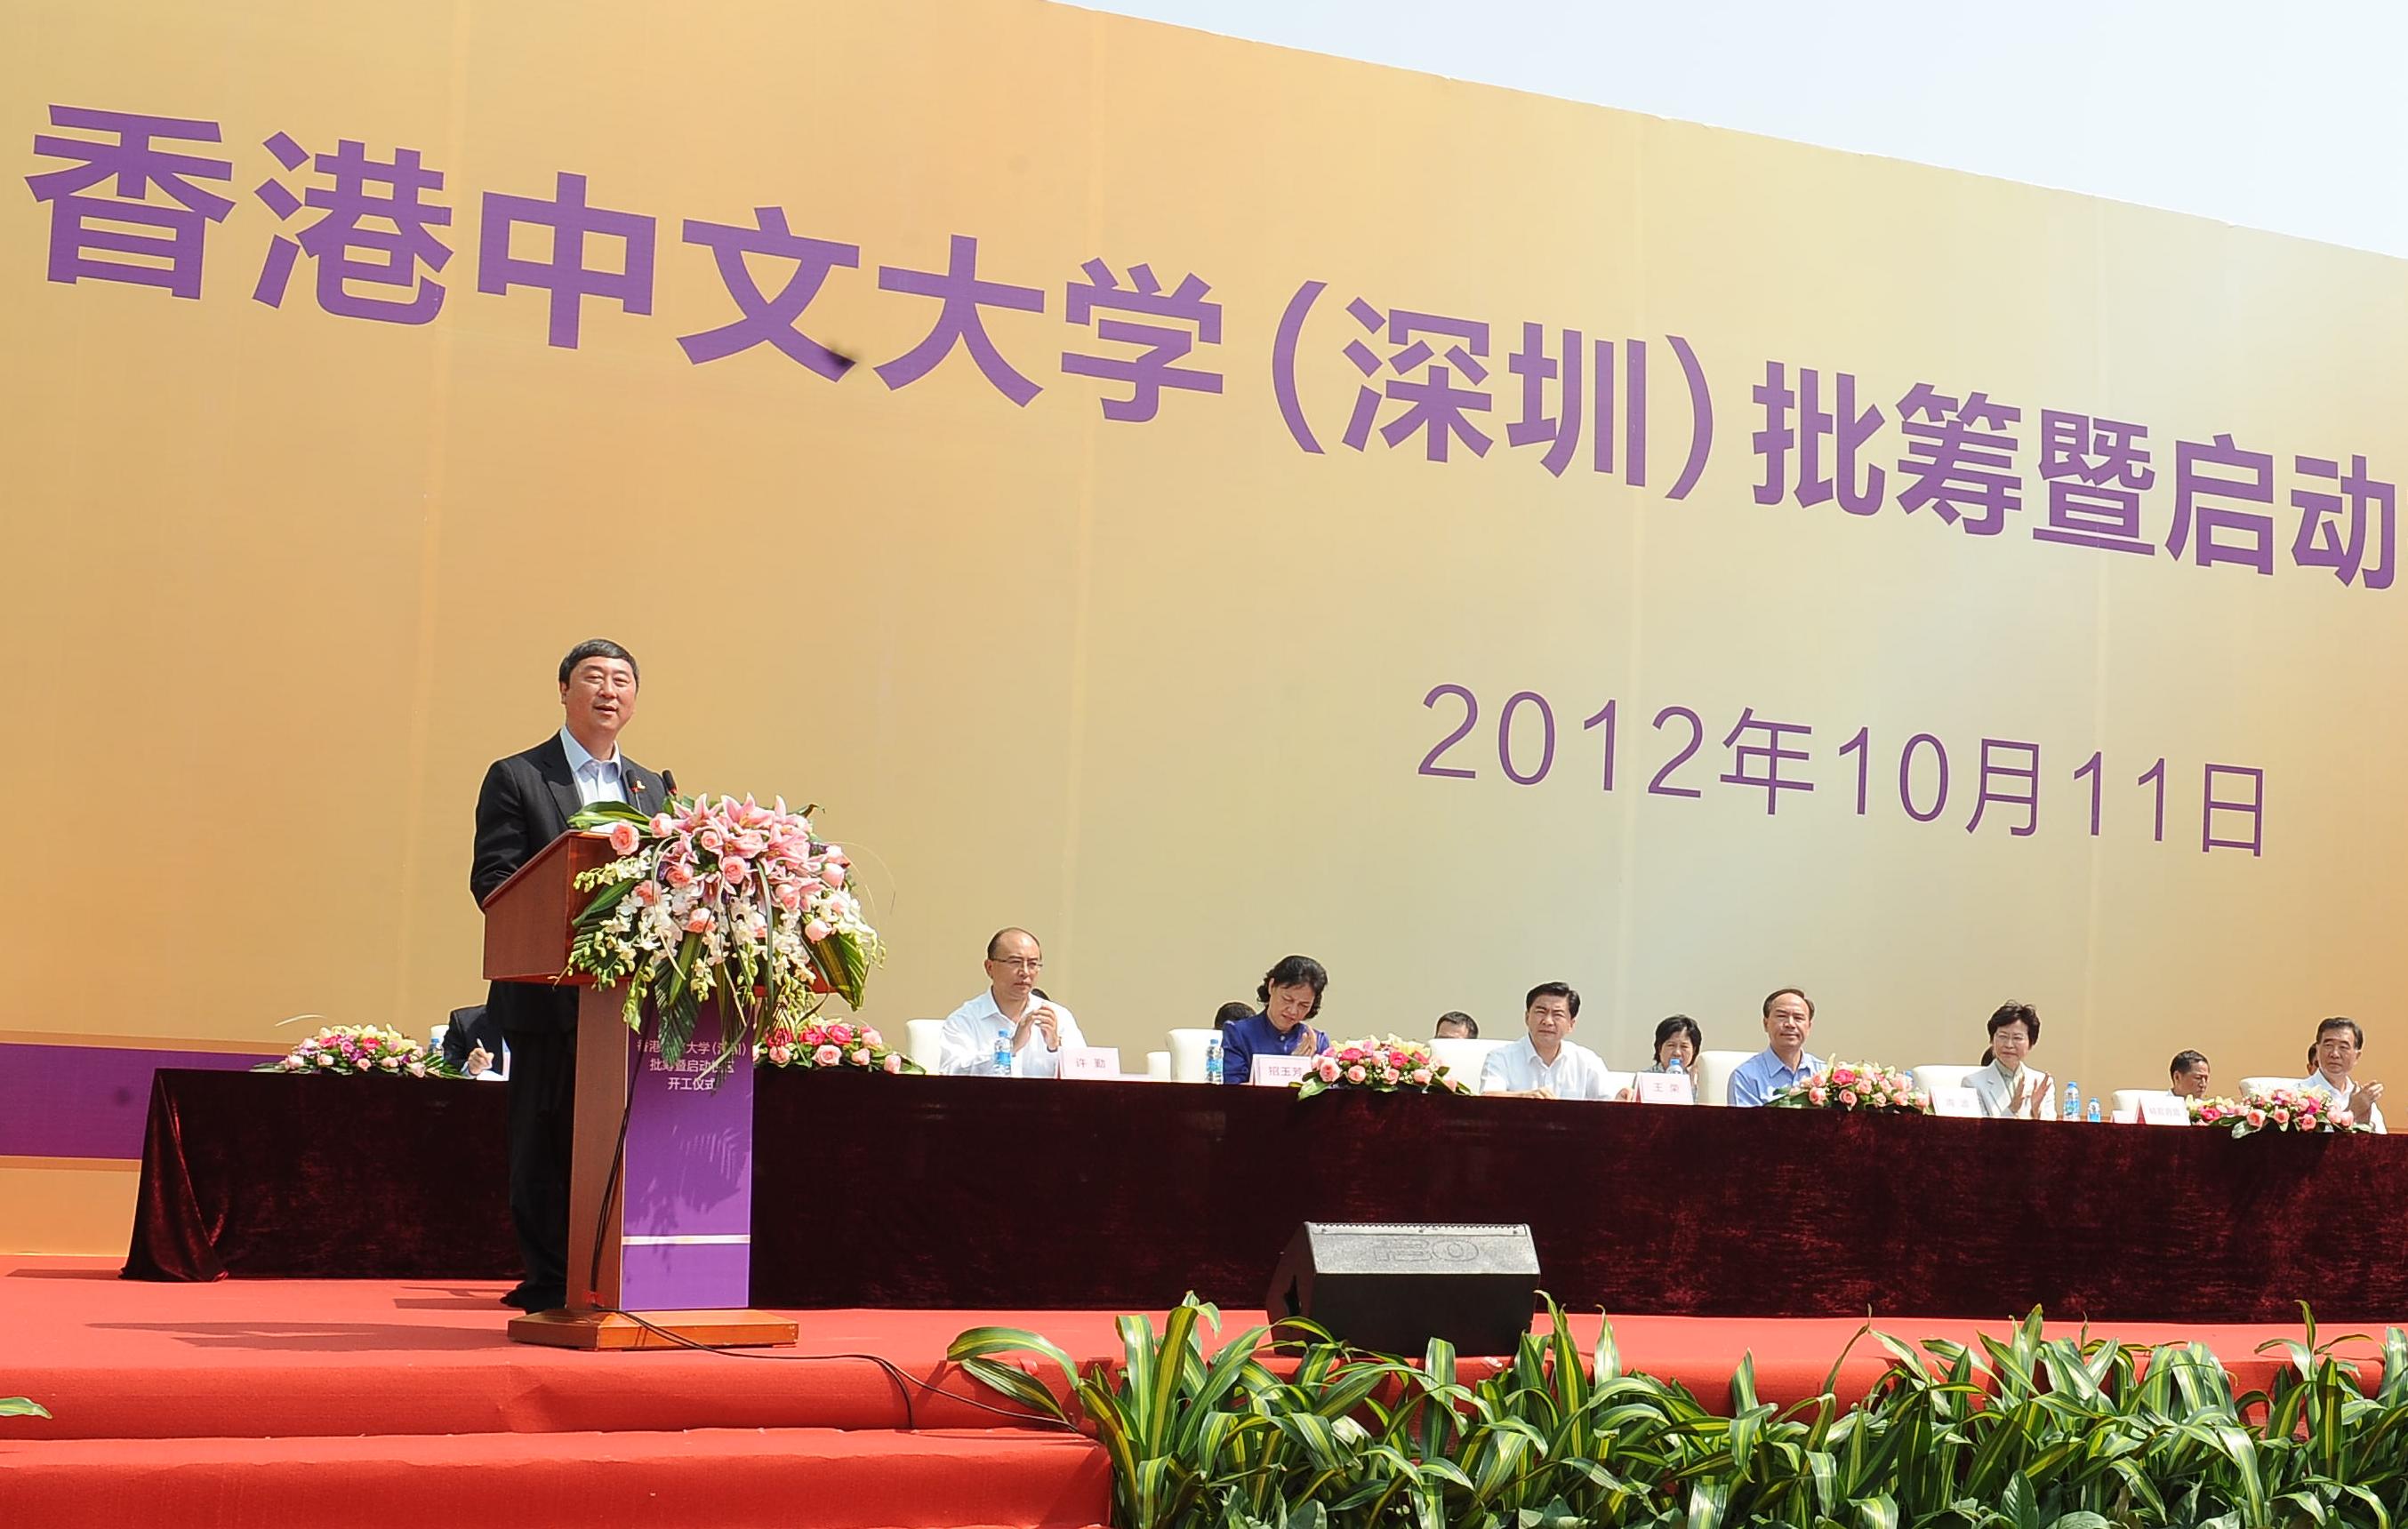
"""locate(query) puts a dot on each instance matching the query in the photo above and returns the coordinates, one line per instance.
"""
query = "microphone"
(668, 783)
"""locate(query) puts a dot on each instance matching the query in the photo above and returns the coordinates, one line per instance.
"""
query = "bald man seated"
(1033, 1029)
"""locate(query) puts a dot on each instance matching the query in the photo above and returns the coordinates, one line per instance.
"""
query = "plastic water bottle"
(2093, 1116)
(1677, 1070)
(2072, 1101)
(1212, 1061)
(1003, 1053)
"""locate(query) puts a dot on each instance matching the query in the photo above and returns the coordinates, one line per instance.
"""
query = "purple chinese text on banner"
(686, 1236)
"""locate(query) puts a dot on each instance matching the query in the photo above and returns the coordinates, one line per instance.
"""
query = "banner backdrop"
(1194, 500)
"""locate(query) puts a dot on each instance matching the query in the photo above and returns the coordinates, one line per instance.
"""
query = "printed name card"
(1962, 1103)
(1666, 1088)
(1278, 1072)
(2163, 1109)
(1091, 1061)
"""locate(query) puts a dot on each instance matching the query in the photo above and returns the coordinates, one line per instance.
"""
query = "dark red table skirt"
(984, 1194)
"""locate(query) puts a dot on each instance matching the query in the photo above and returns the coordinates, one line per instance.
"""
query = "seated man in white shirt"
(1547, 1064)
(2339, 1042)
(1036, 1029)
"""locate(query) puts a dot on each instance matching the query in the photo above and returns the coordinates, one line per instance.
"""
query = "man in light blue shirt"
(1788, 1016)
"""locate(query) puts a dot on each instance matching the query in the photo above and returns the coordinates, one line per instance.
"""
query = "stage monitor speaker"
(1393, 1287)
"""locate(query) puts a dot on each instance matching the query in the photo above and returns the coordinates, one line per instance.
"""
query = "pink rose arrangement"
(1863, 1087)
(2276, 1109)
(2216, 1111)
(1385, 1064)
(814, 1044)
(354, 1048)
(714, 899)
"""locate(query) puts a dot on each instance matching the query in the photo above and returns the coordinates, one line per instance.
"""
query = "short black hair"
(1231, 1013)
(1672, 1025)
(2012, 1012)
(1552, 990)
(2356, 1036)
(1774, 996)
(1456, 1015)
(599, 648)
(1294, 971)
(2184, 1062)
(995, 941)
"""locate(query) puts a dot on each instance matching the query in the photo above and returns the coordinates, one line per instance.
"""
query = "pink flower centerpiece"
(720, 899)
(353, 1049)
(2276, 1109)
(814, 1044)
(1385, 1064)
(1863, 1087)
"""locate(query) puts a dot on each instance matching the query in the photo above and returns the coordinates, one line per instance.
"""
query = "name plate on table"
(1964, 1104)
(2165, 1110)
(1279, 1072)
(1666, 1088)
(1091, 1061)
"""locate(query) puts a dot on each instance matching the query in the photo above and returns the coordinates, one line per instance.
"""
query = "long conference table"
(993, 1194)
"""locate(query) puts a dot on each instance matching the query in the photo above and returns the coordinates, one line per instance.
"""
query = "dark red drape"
(991, 1193)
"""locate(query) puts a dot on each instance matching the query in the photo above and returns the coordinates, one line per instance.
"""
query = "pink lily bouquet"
(2287, 1110)
(354, 1048)
(1386, 1064)
(1863, 1087)
(718, 898)
(813, 1045)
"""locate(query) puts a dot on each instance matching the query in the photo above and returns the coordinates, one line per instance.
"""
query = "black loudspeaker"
(1393, 1287)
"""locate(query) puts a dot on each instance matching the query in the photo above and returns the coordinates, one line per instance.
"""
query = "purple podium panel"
(686, 1235)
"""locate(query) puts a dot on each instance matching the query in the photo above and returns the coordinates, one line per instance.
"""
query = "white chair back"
(1464, 1059)
(1713, 1075)
(1187, 1047)
(2268, 1085)
(1157, 1065)
(924, 1041)
(1933, 1075)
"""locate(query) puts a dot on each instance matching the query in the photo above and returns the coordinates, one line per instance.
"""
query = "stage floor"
(131, 1360)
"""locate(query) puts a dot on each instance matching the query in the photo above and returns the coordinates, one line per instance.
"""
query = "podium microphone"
(668, 783)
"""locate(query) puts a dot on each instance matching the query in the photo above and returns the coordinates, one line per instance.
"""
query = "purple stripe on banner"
(689, 1173)
(85, 1101)
(686, 1277)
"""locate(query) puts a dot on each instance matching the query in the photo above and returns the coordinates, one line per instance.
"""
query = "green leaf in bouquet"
(843, 965)
(603, 814)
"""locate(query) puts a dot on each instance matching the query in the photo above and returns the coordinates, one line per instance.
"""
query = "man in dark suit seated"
(472, 1042)
(525, 804)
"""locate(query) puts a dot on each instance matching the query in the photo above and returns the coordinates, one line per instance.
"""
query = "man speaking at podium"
(525, 804)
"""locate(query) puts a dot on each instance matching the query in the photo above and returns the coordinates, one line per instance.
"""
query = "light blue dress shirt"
(598, 780)
(1756, 1079)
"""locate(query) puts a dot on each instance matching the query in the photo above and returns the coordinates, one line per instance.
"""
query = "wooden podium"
(659, 1225)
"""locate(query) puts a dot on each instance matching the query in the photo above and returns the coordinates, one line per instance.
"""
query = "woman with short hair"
(2007, 1088)
(1290, 995)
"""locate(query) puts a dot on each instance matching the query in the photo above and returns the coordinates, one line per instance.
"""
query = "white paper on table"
(1278, 1072)
(2164, 1110)
(1091, 1061)
(1964, 1104)
(1666, 1088)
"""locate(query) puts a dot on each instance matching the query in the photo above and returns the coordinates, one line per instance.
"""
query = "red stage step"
(794, 1477)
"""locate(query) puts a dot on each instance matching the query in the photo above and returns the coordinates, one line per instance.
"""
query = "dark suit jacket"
(469, 1028)
(525, 804)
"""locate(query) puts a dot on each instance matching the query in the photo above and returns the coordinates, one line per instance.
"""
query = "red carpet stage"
(394, 1402)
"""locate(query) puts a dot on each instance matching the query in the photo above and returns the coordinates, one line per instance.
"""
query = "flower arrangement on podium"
(1861, 1087)
(357, 1048)
(714, 899)
(2279, 1109)
(1383, 1064)
(835, 1044)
